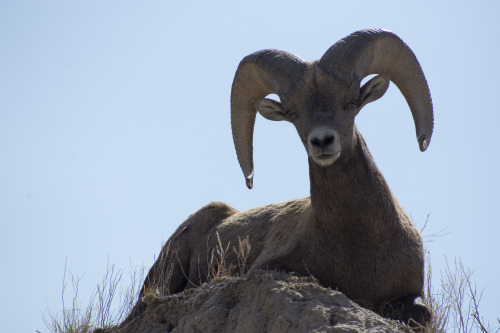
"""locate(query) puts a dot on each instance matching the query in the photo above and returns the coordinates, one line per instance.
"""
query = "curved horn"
(368, 52)
(258, 75)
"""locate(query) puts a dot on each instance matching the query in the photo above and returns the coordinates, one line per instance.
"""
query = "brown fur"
(351, 234)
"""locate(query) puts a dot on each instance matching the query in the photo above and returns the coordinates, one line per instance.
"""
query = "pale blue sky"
(114, 127)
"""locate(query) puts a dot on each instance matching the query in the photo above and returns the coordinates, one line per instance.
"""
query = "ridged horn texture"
(258, 75)
(368, 52)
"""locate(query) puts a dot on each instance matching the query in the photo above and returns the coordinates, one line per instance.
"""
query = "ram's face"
(322, 110)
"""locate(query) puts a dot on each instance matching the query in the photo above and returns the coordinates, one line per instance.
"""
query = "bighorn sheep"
(351, 233)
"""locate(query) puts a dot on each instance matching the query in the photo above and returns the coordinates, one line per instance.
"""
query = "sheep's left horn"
(258, 75)
(382, 52)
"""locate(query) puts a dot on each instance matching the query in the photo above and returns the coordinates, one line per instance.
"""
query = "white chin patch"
(325, 160)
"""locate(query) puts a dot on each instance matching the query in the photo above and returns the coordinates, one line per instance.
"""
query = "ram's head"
(322, 98)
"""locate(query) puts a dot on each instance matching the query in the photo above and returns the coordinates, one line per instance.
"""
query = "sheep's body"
(289, 236)
(351, 234)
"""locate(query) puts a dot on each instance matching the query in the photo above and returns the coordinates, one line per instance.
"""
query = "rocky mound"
(263, 301)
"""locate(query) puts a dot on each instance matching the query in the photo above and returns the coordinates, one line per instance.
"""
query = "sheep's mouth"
(326, 159)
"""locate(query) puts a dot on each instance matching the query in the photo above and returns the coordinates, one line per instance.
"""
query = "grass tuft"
(105, 308)
(455, 305)
(219, 265)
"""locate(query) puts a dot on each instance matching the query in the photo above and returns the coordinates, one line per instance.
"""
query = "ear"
(270, 109)
(373, 90)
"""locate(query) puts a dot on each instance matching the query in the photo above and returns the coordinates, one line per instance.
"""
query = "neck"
(351, 193)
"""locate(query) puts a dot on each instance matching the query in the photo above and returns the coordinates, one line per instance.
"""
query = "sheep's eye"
(290, 114)
(350, 106)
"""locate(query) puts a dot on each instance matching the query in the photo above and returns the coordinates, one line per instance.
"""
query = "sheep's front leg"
(411, 310)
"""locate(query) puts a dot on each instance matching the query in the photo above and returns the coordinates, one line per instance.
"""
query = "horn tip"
(423, 143)
(249, 181)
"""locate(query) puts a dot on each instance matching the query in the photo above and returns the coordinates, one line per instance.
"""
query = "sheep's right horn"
(258, 75)
(382, 52)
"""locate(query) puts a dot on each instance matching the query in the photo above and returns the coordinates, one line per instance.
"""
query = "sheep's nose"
(323, 146)
(322, 139)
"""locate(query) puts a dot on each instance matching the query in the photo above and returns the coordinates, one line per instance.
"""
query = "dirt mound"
(263, 301)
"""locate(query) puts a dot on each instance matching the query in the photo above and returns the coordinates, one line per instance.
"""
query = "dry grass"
(105, 308)
(220, 267)
(159, 283)
(242, 253)
(223, 261)
(454, 304)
